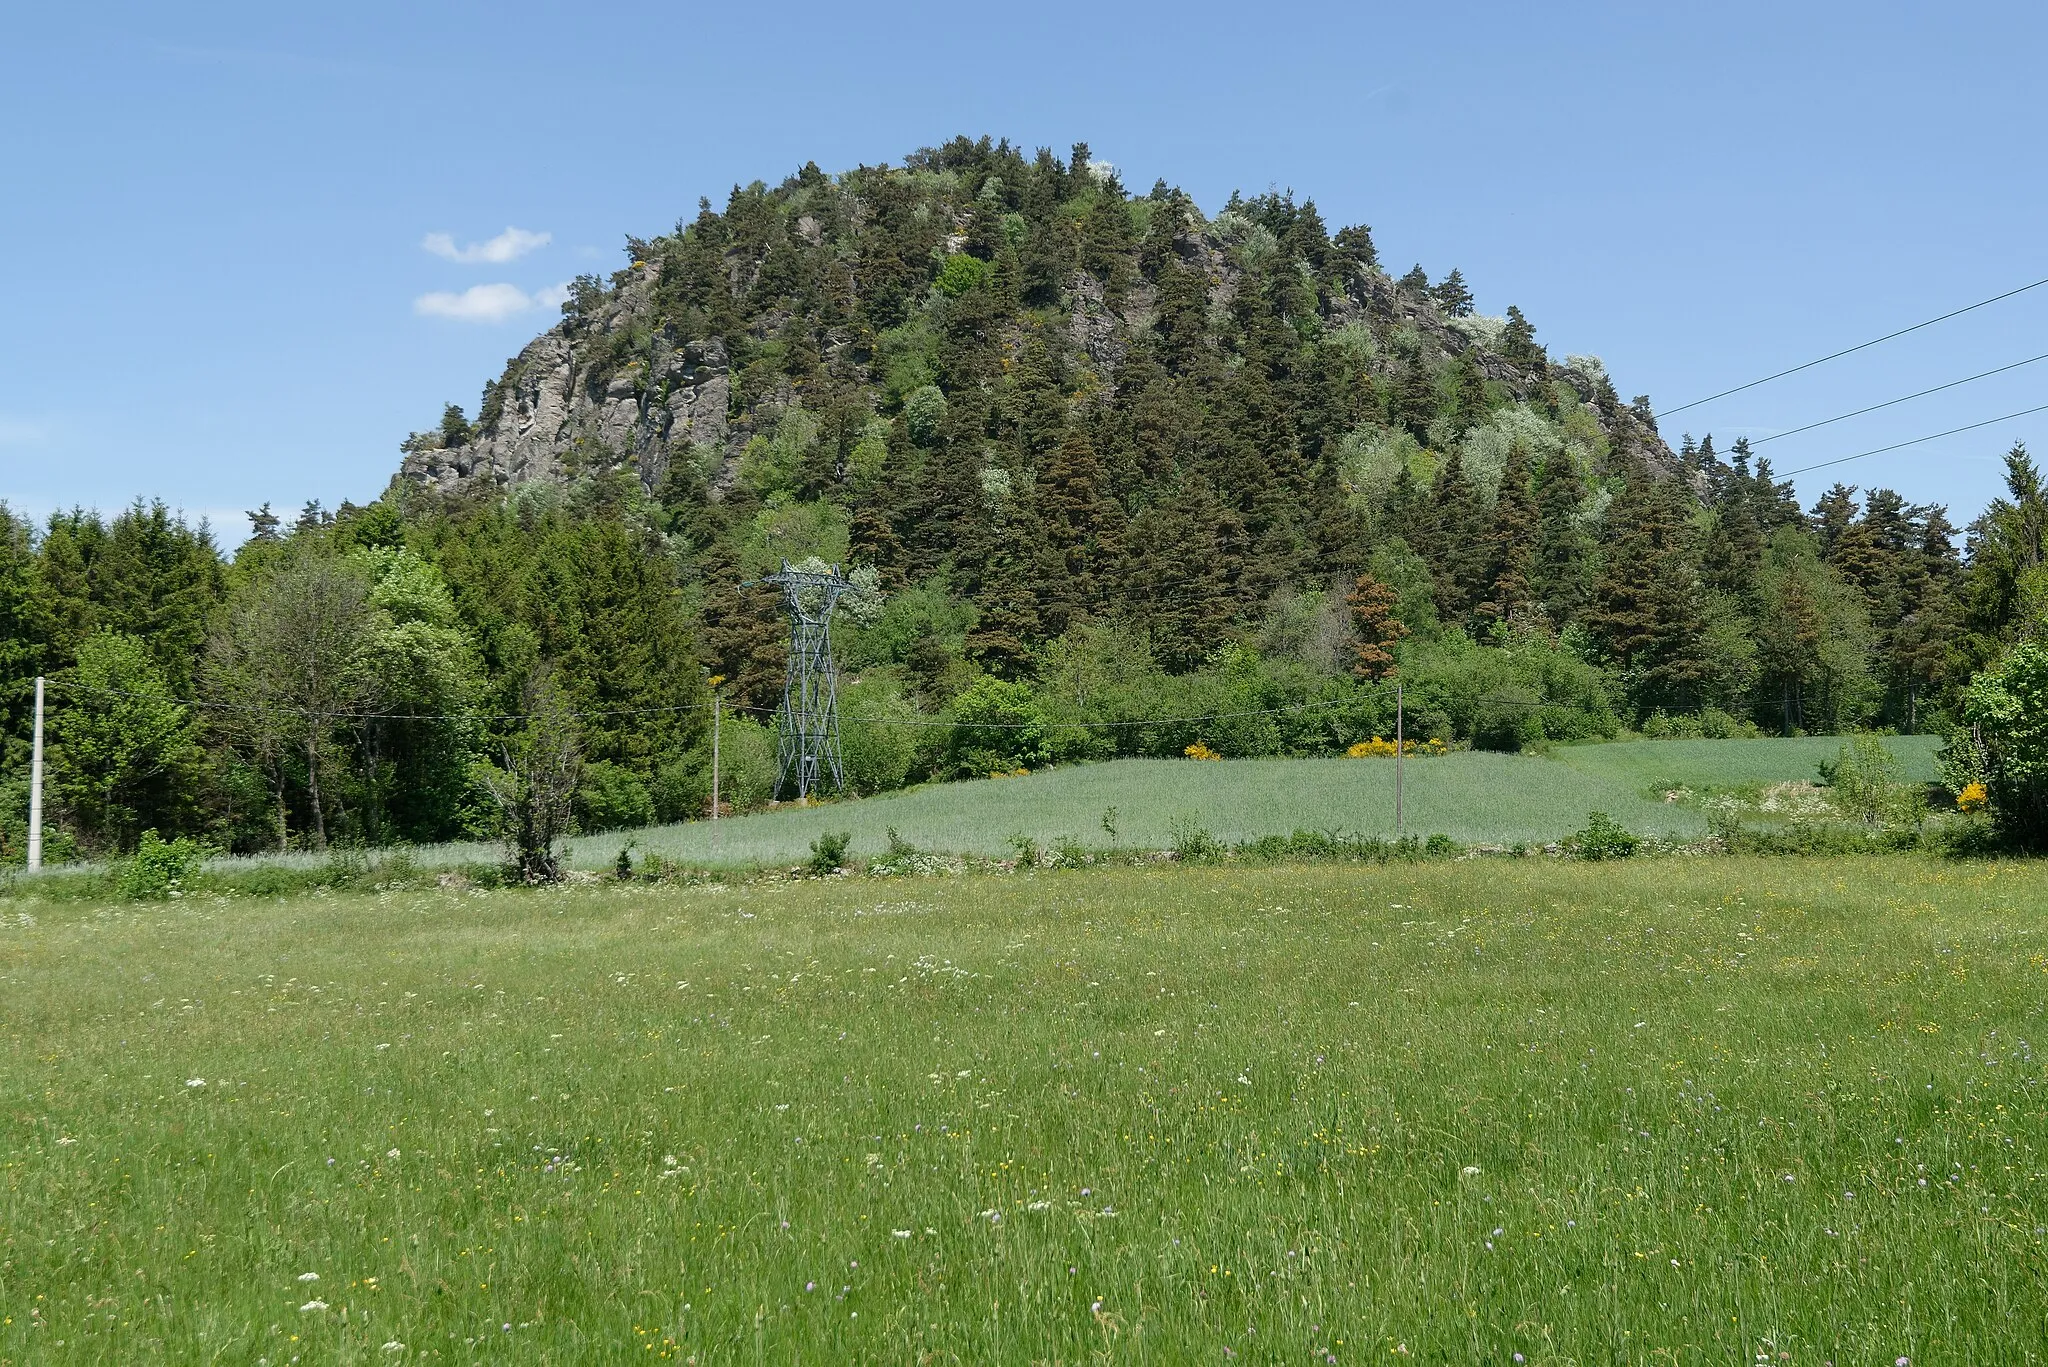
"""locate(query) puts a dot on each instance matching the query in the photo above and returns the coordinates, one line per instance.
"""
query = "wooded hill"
(1094, 457)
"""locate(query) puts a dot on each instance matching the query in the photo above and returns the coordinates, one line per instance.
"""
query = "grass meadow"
(1662, 1111)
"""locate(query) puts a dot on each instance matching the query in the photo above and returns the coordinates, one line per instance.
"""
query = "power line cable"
(1900, 445)
(1889, 403)
(374, 716)
(692, 707)
(1845, 351)
(1320, 704)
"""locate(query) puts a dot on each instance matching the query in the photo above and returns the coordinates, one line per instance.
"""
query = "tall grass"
(1724, 764)
(1469, 797)
(1723, 1110)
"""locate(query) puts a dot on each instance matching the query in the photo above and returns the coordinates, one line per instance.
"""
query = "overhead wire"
(1916, 441)
(1905, 398)
(1846, 351)
(1048, 723)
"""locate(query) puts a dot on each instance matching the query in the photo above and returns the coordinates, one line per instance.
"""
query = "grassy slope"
(1673, 1111)
(1473, 797)
(1642, 765)
(1470, 797)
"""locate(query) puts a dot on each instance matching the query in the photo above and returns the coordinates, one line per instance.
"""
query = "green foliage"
(159, 869)
(612, 797)
(881, 735)
(828, 852)
(123, 754)
(1528, 689)
(1866, 781)
(1193, 842)
(962, 273)
(924, 410)
(1604, 838)
(997, 727)
(747, 754)
(2008, 708)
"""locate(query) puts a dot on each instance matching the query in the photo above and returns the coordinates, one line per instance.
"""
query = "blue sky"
(215, 218)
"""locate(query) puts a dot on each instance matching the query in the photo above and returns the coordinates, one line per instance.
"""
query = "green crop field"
(1474, 797)
(1661, 1111)
(1644, 765)
(1471, 797)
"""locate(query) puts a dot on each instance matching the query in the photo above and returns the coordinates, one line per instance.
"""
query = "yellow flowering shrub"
(1200, 751)
(1376, 748)
(1973, 798)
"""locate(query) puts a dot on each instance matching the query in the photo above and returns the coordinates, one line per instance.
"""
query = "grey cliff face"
(558, 416)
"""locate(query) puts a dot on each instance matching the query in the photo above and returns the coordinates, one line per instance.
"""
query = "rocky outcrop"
(612, 386)
(560, 410)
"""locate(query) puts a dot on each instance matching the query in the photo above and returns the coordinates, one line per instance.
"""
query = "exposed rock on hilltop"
(641, 371)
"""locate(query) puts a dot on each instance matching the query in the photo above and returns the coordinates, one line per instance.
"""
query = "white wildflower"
(309, 1276)
(311, 1306)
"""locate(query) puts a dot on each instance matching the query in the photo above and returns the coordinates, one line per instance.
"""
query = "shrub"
(1865, 782)
(828, 852)
(962, 273)
(1200, 751)
(159, 868)
(924, 408)
(2008, 707)
(997, 728)
(878, 735)
(1192, 841)
(1376, 748)
(1604, 838)
(747, 761)
(612, 797)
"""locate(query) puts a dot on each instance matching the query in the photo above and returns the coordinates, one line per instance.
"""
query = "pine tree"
(1466, 400)
(1512, 544)
(1415, 399)
(1075, 533)
(1563, 548)
(1186, 555)
(1458, 539)
(1733, 551)
(1378, 630)
(1518, 342)
(1355, 246)
(1646, 608)
(1452, 296)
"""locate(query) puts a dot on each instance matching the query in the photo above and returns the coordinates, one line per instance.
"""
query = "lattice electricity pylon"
(807, 751)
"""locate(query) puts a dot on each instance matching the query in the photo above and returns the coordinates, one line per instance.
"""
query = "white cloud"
(509, 245)
(552, 296)
(477, 304)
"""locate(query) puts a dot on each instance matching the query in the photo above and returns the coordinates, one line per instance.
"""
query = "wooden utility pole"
(35, 787)
(1400, 755)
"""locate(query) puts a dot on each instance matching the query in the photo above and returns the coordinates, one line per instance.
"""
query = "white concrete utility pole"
(35, 787)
